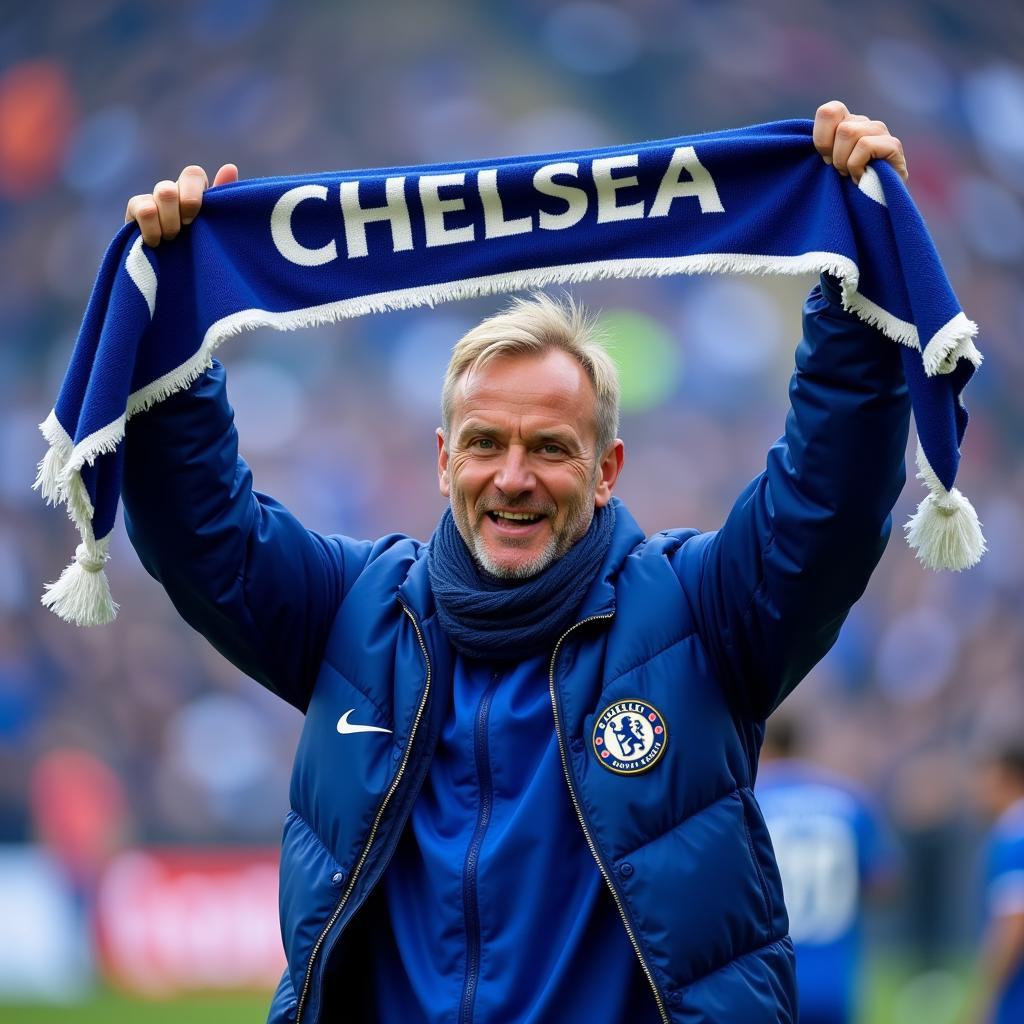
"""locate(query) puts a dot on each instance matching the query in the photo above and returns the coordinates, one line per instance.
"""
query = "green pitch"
(894, 995)
(113, 1008)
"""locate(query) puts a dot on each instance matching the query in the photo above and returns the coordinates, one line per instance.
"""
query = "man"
(833, 853)
(468, 839)
(1000, 791)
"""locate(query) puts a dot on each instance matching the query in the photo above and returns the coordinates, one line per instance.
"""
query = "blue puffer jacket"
(711, 629)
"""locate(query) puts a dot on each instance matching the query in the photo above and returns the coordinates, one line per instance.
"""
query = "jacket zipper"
(373, 828)
(583, 824)
(469, 886)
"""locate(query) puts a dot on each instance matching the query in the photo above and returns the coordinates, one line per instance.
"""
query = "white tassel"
(944, 531)
(82, 594)
(48, 481)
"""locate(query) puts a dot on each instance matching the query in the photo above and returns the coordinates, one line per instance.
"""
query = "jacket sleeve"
(237, 565)
(771, 588)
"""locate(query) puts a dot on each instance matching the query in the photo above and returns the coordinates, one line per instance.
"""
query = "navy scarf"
(492, 618)
(294, 252)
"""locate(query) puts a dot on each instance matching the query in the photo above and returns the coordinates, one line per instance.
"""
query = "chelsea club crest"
(629, 737)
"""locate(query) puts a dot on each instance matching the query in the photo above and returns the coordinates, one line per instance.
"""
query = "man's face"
(520, 465)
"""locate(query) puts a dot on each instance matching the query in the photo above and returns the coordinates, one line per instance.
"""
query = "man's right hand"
(171, 204)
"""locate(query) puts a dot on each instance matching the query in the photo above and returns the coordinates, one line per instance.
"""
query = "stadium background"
(135, 738)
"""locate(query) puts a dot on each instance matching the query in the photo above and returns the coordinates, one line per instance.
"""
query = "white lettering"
(434, 209)
(700, 184)
(283, 236)
(684, 177)
(495, 225)
(395, 210)
(607, 186)
(575, 199)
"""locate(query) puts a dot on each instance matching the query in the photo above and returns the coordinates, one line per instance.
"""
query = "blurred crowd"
(100, 100)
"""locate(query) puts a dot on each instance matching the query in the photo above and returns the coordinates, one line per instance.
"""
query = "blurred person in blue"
(999, 997)
(524, 787)
(834, 854)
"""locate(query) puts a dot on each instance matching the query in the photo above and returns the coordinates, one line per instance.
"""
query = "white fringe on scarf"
(944, 531)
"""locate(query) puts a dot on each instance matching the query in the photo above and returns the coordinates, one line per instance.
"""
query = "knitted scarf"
(488, 617)
(293, 252)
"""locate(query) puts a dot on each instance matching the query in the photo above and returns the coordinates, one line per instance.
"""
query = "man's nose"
(514, 475)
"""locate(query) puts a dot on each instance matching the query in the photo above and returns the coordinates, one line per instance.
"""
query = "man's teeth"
(525, 517)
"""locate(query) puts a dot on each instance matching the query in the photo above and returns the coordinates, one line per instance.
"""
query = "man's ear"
(609, 469)
(442, 465)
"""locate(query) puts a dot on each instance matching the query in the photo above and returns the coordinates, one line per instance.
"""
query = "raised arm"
(776, 582)
(772, 587)
(236, 564)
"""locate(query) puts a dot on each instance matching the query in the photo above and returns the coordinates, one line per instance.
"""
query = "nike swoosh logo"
(345, 726)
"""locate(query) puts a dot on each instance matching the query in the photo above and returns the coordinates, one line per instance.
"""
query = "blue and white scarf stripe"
(298, 251)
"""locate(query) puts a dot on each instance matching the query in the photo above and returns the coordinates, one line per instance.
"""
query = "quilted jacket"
(712, 629)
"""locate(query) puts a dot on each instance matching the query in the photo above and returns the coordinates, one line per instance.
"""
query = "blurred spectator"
(78, 805)
(1000, 793)
(833, 853)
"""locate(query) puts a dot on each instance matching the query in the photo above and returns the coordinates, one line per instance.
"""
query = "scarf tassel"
(944, 531)
(82, 594)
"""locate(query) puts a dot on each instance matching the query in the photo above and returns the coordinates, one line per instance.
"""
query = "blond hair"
(533, 326)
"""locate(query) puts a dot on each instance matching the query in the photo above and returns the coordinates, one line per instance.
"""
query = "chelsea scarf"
(297, 251)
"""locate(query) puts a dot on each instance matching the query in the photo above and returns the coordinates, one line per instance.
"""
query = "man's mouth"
(515, 517)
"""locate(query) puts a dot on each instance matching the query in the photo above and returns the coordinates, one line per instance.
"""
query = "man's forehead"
(551, 387)
(552, 377)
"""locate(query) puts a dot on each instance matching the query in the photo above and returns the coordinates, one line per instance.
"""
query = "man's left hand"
(848, 141)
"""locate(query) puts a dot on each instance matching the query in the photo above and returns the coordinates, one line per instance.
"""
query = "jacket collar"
(414, 591)
(626, 535)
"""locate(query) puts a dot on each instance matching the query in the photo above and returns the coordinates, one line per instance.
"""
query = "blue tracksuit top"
(712, 630)
(494, 863)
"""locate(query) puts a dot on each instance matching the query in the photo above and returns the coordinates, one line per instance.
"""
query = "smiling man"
(528, 447)
(524, 788)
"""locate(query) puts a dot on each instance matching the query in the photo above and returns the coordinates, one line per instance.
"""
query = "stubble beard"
(579, 515)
